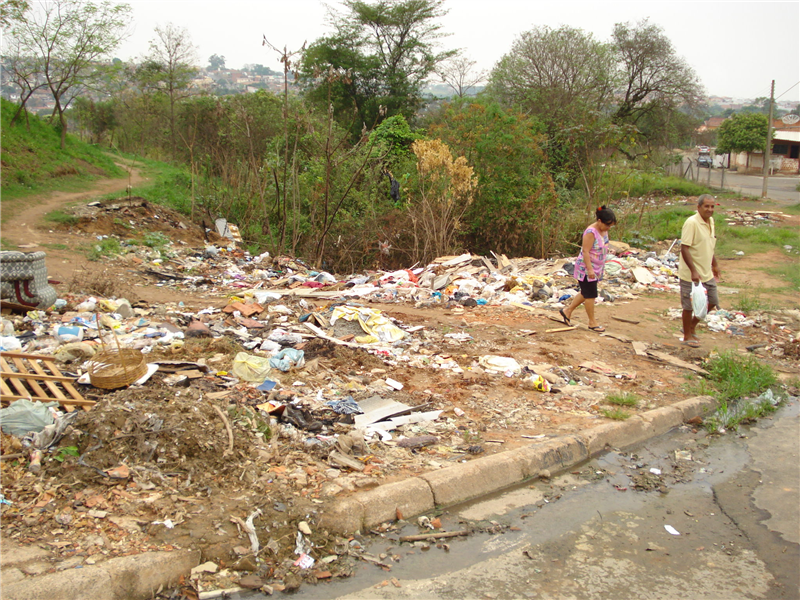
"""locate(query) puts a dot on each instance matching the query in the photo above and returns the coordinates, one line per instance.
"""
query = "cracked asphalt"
(602, 530)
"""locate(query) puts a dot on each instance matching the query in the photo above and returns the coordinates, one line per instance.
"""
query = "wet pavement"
(684, 516)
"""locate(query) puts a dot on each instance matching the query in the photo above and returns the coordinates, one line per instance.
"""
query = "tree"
(24, 71)
(559, 75)
(742, 133)
(388, 48)
(216, 62)
(70, 39)
(171, 53)
(459, 73)
(11, 11)
(654, 79)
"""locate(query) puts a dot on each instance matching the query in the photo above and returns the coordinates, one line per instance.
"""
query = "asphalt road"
(731, 500)
(782, 189)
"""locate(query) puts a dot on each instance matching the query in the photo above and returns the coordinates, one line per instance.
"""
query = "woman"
(589, 271)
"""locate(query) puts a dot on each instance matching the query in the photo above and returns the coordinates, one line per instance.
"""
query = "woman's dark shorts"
(588, 288)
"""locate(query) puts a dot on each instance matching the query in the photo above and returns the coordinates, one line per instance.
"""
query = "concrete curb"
(476, 478)
(135, 577)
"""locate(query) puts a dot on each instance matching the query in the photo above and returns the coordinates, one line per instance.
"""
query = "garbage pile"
(250, 414)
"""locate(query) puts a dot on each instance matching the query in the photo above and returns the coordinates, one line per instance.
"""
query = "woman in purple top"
(589, 272)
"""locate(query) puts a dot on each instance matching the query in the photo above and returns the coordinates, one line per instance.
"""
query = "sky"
(736, 48)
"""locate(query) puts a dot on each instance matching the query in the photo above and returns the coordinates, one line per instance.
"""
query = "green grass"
(641, 230)
(620, 183)
(754, 240)
(789, 271)
(106, 247)
(615, 413)
(741, 384)
(623, 399)
(33, 161)
(59, 217)
(749, 301)
(736, 376)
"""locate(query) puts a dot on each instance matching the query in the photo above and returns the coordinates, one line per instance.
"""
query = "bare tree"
(559, 75)
(173, 53)
(653, 76)
(25, 72)
(70, 40)
(460, 75)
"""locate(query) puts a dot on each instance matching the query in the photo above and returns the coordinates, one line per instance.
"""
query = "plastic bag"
(250, 368)
(699, 300)
(288, 358)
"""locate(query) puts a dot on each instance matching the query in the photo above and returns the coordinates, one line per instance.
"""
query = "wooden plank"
(14, 381)
(33, 377)
(640, 348)
(631, 321)
(76, 395)
(38, 378)
(68, 402)
(20, 364)
(557, 329)
(529, 308)
(4, 389)
(677, 362)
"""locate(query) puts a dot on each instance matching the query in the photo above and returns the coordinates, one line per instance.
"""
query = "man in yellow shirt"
(698, 263)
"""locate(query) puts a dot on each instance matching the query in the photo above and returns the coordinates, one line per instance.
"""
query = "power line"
(777, 98)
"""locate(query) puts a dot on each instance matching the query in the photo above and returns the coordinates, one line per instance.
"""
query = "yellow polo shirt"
(701, 240)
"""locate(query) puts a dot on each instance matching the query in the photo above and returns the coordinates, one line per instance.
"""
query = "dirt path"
(25, 228)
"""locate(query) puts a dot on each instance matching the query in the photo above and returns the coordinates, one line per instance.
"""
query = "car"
(702, 149)
(705, 160)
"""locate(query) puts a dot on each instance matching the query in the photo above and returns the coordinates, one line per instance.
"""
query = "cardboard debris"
(377, 408)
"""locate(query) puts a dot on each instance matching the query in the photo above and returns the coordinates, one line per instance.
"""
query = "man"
(698, 264)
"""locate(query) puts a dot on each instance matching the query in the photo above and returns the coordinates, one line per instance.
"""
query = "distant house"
(786, 147)
(784, 157)
(710, 124)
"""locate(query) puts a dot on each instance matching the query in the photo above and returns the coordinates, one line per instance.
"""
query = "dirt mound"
(137, 218)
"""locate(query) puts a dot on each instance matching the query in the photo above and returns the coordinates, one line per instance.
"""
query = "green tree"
(742, 133)
(387, 48)
(170, 58)
(70, 39)
(11, 11)
(515, 205)
(216, 62)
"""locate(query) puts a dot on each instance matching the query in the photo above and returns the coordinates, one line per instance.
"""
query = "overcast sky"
(736, 48)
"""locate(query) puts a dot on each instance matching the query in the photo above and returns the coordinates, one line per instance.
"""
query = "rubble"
(299, 387)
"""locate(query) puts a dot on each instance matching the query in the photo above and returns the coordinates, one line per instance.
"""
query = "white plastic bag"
(699, 300)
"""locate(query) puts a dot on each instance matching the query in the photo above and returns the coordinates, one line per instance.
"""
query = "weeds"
(741, 385)
(615, 413)
(106, 247)
(61, 218)
(623, 399)
(98, 283)
(734, 376)
(748, 301)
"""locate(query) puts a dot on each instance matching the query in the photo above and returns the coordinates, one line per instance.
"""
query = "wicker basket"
(112, 369)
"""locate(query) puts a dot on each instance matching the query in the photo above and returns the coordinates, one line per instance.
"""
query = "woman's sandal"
(598, 329)
(691, 343)
(565, 317)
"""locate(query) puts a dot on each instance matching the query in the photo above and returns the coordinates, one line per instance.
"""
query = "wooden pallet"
(36, 377)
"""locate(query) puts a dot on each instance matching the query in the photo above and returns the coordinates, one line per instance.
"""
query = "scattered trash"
(671, 529)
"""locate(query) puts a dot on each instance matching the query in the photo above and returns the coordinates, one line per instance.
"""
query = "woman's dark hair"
(605, 215)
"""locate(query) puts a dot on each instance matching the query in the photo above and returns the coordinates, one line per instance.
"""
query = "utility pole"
(769, 141)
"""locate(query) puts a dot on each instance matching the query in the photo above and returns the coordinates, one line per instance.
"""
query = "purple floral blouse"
(597, 255)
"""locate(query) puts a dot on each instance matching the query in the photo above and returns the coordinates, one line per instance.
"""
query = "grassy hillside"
(33, 161)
